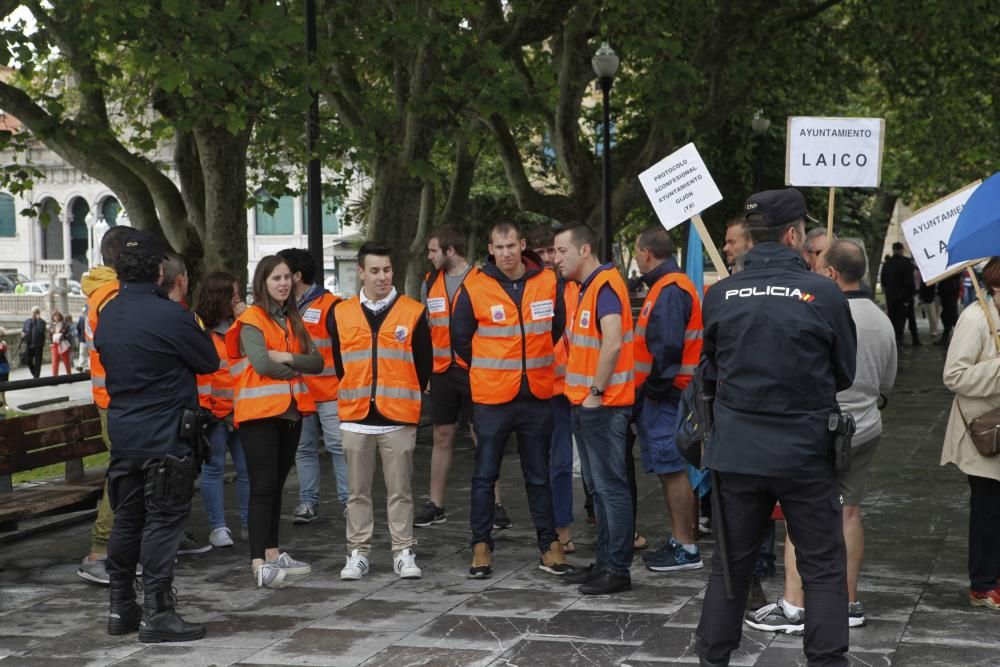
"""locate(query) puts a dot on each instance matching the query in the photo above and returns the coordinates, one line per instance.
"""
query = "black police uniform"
(151, 348)
(779, 344)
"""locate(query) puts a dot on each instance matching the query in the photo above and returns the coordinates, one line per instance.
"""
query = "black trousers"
(984, 534)
(814, 521)
(269, 448)
(35, 361)
(901, 311)
(146, 530)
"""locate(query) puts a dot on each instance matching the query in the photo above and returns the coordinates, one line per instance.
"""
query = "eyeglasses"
(815, 253)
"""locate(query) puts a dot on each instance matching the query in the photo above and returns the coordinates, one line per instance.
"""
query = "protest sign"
(927, 232)
(834, 152)
(679, 187)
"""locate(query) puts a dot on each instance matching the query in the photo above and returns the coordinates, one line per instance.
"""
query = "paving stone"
(676, 644)
(416, 656)
(326, 647)
(610, 626)
(516, 602)
(496, 633)
(549, 652)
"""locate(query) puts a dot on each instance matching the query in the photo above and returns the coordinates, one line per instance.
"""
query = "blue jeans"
(212, 493)
(657, 422)
(307, 455)
(600, 437)
(531, 420)
(561, 461)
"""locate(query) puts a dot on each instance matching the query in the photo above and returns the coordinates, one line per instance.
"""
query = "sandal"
(639, 542)
(568, 547)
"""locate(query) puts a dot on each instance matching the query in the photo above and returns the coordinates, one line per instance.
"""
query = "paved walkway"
(913, 584)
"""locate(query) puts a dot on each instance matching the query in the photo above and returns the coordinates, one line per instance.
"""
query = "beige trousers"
(396, 450)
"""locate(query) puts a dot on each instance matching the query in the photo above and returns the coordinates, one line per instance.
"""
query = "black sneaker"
(428, 516)
(500, 519)
(189, 545)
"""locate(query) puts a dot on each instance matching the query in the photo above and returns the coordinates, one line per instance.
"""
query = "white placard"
(679, 186)
(834, 152)
(927, 232)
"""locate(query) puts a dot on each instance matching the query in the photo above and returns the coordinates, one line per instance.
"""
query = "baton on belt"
(719, 530)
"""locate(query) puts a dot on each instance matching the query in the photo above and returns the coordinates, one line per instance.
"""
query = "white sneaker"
(405, 564)
(355, 567)
(220, 537)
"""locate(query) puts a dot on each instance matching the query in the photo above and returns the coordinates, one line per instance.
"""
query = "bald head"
(845, 263)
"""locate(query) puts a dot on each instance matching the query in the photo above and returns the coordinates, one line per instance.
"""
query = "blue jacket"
(779, 344)
(151, 349)
(665, 334)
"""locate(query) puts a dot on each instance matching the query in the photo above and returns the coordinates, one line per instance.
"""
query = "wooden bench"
(33, 441)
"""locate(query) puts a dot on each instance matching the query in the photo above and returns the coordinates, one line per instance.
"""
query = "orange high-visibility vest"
(258, 396)
(571, 297)
(322, 387)
(509, 342)
(215, 390)
(379, 369)
(439, 308)
(95, 304)
(585, 346)
(692, 332)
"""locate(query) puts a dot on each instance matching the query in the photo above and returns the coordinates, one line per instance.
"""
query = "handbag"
(984, 431)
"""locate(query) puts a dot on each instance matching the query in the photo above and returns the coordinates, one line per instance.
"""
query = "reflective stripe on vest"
(691, 354)
(439, 309)
(585, 346)
(96, 302)
(215, 390)
(392, 385)
(257, 396)
(511, 342)
(571, 296)
(322, 386)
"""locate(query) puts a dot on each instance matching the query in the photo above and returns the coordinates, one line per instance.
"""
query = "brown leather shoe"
(554, 561)
(482, 561)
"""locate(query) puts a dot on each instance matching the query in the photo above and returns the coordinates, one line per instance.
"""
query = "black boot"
(125, 612)
(160, 623)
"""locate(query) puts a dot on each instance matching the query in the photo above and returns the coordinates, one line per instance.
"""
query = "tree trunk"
(881, 216)
(413, 272)
(222, 158)
(394, 213)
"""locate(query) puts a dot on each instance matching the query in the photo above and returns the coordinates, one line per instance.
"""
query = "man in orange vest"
(542, 241)
(315, 305)
(506, 320)
(382, 353)
(600, 385)
(100, 284)
(451, 400)
(667, 349)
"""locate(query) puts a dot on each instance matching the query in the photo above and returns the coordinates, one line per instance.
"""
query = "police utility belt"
(173, 476)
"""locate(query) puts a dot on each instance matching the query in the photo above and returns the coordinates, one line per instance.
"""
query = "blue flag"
(694, 265)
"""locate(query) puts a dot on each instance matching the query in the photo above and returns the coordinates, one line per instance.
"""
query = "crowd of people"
(538, 342)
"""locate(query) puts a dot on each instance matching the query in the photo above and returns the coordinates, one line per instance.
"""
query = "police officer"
(150, 348)
(779, 344)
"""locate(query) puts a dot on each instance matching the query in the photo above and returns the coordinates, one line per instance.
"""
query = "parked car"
(36, 288)
(6, 284)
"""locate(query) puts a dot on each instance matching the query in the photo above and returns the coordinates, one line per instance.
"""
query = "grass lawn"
(57, 470)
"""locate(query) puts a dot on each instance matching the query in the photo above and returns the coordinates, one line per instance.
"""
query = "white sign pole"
(678, 186)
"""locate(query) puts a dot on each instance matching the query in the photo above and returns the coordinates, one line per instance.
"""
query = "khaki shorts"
(854, 480)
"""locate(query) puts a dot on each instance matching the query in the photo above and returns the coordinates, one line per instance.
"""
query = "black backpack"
(694, 423)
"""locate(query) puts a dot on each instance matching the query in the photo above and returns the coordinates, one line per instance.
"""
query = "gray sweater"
(876, 367)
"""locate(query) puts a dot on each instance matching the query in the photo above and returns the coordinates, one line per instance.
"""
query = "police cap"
(771, 208)
(143, 245)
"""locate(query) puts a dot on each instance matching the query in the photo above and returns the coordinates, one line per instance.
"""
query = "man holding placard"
(774, 392)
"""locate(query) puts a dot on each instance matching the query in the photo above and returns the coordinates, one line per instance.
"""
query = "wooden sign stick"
(706, 240)
(829, 218)
(986, 307)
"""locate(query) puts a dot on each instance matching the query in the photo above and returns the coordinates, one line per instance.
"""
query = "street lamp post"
(760, 125)
(605, 63)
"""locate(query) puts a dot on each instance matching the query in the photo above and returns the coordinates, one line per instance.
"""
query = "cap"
(143, 244)
(771, 208)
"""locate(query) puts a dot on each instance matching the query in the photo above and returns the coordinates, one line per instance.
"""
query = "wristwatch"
(594, 391)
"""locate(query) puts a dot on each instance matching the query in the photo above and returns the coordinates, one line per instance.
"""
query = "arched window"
(331, 215)
(282, 221)
(8, 216)
(109, 210)
(52, 233)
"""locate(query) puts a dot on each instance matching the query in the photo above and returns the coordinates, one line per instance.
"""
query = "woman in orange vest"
(218, 302)
(269, 401)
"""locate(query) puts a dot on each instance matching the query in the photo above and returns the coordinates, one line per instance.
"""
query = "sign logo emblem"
(497, 313)
(401, 333)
